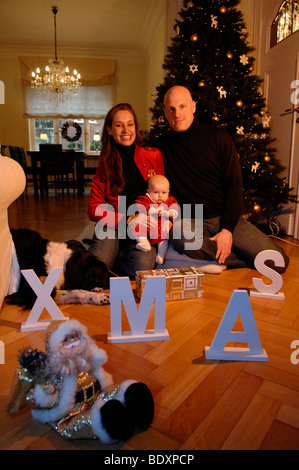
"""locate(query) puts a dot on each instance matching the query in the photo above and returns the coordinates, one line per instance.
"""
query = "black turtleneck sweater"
(135, 184)
(202, 166)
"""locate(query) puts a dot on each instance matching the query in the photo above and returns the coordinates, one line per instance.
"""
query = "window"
(87, 110)
(43, 132)
(286, 21)
(49, 131)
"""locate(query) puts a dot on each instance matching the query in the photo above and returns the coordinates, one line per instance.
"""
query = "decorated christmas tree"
(210, 55)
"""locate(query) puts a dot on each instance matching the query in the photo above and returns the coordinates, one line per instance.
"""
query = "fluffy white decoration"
(44, 399)
(64, 406)
(98, 355)
(123, 387)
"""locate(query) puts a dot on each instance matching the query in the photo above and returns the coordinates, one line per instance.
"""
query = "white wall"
(13, 126)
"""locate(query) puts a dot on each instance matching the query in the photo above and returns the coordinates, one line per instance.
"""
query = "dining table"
(38, 184)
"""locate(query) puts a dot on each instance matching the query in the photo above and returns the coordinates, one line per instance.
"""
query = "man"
(202, 165)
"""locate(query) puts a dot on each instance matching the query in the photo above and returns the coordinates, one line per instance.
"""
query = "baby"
(162, 209)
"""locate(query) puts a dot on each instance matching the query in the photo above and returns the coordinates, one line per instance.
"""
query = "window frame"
(88, 139)
(274, 41)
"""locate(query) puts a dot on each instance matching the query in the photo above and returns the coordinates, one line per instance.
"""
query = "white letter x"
(44, 299)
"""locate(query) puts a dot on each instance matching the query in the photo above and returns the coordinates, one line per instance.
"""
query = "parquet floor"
(200, 404)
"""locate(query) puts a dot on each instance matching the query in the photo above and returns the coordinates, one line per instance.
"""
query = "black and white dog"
(82, 279)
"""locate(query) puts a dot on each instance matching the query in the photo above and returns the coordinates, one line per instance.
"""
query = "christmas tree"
(210, 55)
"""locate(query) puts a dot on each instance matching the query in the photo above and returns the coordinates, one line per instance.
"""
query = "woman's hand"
(143, 220)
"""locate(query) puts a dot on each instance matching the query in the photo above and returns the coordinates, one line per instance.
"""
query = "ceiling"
(93, 24)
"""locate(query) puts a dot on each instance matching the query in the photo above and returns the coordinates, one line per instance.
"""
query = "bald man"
(202, 165)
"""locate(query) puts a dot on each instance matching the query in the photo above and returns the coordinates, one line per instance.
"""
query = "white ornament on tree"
(193, 68)
(255, 167)
(214, 22)
(244, 59)
(222, 92)
(243, 33)
(266, 121)
(240, 130)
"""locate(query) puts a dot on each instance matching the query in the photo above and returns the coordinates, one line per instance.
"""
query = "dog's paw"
(95, 298)
(103, 299)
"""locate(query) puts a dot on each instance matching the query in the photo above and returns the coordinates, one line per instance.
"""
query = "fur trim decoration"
(98, 355)
(97, 425)
(123, 387)
(66, 403)
(43, 399)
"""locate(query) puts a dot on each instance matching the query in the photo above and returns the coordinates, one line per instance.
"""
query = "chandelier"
(57, 84)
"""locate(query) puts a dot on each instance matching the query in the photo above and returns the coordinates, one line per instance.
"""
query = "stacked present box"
(181, 283)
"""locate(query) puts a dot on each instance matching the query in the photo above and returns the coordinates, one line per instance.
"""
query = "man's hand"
(224, 241)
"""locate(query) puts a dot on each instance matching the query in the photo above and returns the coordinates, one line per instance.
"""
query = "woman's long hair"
(109, 153)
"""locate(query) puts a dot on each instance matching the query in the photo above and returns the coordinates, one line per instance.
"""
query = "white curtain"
(93, 100)
(90, 102)
(173, 9)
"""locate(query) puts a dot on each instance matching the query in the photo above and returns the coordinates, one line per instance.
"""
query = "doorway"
(281, 69)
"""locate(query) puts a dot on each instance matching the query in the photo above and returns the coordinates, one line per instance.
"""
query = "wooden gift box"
(181, 283)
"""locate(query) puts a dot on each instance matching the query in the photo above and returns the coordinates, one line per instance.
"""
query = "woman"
(123, 170)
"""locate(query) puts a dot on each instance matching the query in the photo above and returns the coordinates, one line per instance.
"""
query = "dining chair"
(57, 169)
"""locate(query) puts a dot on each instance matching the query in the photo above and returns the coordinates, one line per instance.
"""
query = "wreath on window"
(65, 129)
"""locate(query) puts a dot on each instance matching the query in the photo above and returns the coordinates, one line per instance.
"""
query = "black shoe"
(140, 405)
(116, 420)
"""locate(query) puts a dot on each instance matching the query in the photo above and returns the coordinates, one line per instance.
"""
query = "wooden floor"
(200, 404)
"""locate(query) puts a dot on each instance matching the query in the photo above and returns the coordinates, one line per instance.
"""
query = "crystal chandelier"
(57, 84)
